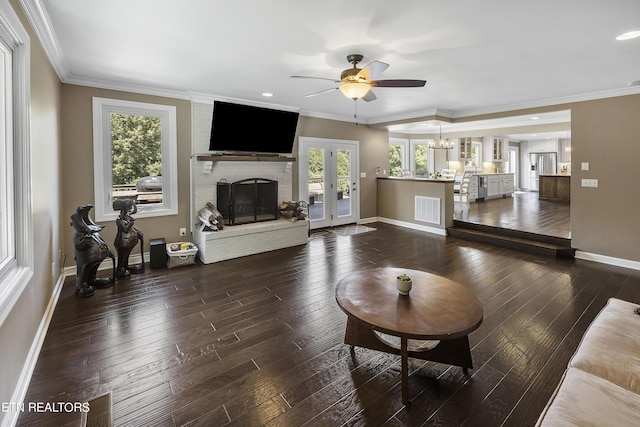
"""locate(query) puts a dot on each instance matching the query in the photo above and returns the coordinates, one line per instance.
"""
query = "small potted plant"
(403, 283)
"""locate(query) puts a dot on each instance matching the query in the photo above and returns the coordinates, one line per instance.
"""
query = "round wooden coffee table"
(431, 323)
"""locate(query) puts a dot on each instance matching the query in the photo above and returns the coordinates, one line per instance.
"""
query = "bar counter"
(420, 203)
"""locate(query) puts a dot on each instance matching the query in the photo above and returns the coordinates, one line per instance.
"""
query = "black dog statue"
(127, 238)
(91, 250)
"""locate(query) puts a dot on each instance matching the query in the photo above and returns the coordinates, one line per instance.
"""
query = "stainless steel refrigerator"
(541, 164)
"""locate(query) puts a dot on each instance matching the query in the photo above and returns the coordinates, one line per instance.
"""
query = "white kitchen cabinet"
(507, 185)
(473, 188)
(464, 148)
(498, 185)
(493, 185)
(544, 146)
(494, 148)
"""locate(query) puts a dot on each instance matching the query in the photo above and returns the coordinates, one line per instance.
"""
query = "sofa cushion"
(611, 346)
(584, 399)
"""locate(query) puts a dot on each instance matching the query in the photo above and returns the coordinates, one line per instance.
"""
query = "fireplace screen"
(249, 200)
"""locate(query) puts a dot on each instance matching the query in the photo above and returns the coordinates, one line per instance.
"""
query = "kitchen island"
(490, 186)
(555, 187)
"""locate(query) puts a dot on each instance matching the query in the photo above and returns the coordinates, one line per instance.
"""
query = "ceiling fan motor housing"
(351, 74)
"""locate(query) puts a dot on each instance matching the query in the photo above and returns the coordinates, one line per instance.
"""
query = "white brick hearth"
(248, 239)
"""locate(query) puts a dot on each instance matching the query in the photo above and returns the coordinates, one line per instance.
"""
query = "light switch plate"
(590, 183)
(584, 166)
(363, 174)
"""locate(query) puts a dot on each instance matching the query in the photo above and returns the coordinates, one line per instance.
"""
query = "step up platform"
(537, 244)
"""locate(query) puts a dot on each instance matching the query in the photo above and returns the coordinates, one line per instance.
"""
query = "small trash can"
(158, 253)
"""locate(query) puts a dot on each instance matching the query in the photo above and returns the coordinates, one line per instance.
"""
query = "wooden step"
(538, 244)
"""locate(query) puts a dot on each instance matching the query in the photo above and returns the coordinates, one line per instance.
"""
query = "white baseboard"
(433, 230)
(106, 264)
(367, 220)
(603, 259)
(11, 418)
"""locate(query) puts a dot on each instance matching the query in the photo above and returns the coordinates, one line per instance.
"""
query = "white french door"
(328, 180)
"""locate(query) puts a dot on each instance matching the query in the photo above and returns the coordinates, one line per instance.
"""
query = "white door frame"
(331, 217)
(515, 166)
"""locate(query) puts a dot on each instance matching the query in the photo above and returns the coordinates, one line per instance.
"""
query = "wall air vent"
(427, 209)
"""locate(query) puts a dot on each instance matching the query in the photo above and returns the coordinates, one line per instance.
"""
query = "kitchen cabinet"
(555, 188)
(473, 188)
(545, 146)
(498, 185)
(494, 148)
(508, 185)
(464, 148)
(493, 186)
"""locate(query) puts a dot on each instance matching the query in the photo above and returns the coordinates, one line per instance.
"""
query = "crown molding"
(590, 96)
(41, 24)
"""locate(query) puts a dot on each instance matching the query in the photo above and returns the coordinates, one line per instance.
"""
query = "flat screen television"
(271, 131)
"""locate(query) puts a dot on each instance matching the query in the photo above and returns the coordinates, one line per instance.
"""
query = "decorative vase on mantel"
(404, 284)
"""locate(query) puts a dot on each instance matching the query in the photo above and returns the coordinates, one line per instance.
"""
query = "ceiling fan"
(356, 83)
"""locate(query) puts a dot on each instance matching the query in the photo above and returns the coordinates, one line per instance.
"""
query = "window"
(16, 234)
(409, 157)
(398, 156)
(135, 146)
(420, 157)
(476, 155)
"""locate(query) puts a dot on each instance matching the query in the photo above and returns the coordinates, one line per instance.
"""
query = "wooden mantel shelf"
(231, 158)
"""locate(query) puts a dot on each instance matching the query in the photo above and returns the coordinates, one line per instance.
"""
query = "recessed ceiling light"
(629, 35)
(267, 94)
(535, 118)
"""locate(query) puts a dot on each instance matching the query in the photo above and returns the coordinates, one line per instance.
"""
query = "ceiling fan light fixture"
(355, 90)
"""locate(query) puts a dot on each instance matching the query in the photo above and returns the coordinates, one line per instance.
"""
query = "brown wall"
(604, 220)
(77, 165)
(20, 328)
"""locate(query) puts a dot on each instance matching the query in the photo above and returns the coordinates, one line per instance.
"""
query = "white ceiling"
(477, 56)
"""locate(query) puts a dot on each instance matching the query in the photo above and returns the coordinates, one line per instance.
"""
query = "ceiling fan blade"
(398, 83)
(370, 96)
(373, 70)
(318, 78)
(321, 92)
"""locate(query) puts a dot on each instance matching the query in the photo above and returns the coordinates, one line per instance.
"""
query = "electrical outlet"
(590, 183)
(183, 232)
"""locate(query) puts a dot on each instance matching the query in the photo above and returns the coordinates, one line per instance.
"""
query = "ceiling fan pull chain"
(355, 110)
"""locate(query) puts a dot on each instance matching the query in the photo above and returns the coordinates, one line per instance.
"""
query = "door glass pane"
(344, 182)
(316, 183)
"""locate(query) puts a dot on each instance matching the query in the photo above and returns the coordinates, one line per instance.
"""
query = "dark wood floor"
(523, 211)
(258, 340)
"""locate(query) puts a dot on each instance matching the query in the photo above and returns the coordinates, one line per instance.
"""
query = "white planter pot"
(404, 286)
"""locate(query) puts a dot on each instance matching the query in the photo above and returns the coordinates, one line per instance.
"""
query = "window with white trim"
(134, 157)
(398, 156)
(16, 232)
(421, 160)
(476, 156)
